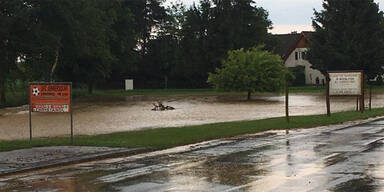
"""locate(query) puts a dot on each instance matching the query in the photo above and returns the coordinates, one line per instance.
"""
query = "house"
(293, 50)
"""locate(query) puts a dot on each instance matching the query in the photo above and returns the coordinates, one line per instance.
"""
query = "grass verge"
(170, 137)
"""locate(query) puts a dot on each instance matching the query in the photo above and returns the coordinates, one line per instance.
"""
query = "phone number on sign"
(50, 108)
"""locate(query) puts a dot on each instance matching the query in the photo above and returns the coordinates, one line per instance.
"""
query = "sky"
(287, 15)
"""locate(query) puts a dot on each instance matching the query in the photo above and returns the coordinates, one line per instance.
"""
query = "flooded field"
(134, 113)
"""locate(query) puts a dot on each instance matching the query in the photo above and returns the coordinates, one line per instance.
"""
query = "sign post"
(287, 100)
(345, 83)
(327, 96)
(50, 98)
(370, 97)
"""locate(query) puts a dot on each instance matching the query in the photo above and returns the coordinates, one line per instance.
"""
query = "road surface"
(321, 159)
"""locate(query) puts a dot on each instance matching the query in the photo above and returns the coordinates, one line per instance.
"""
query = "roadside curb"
(75, 160)
(340, 126)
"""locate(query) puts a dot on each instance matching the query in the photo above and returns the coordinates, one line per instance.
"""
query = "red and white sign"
(54, 98)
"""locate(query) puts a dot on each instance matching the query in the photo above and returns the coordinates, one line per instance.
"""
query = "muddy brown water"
(134, 113)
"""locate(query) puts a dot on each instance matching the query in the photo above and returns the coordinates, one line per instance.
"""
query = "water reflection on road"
(322, 159)
(134, 113)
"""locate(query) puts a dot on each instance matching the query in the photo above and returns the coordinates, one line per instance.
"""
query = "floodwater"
(337, 159)
(134, 113)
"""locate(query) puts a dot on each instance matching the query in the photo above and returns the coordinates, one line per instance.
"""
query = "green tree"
(217, 26)
(123, 41)
(93, 58)
(195, 43)
(349, 36)
(53, 35)
(236, 24)
(83, 41)
(163, 52)
(72, 41)
(253, 70)
(15, 30)
(148, 15)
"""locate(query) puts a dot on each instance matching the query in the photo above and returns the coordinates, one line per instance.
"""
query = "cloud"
(285, 13)
(283, 29)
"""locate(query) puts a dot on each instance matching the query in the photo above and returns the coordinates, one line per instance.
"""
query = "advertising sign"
(345, 83)
(53, 98)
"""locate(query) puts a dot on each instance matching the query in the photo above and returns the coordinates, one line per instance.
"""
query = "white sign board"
(128, 84)
(345, 83)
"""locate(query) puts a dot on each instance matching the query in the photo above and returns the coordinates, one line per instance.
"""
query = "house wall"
(310, 74)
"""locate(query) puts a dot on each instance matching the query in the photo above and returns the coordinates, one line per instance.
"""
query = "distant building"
(293, 50)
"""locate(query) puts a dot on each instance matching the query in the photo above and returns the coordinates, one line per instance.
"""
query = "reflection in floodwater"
(321, 159)
(134, 113)
(362, 184)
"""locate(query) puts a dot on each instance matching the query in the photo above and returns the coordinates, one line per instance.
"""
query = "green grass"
(16, 94)
(169, 137)
(16, 98)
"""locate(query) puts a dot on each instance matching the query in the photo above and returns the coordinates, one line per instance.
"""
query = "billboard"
(50, 97)
(346, 83)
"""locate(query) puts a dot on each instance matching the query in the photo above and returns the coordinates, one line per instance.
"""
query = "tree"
(250, 70)
(349, 36)
(236, 24)
(194, 43)
(148, 15)
(164, 50)
(83, 41)
(15, 30)
(54, 33)
(162, 57)
(93, 57)
(217, 26)
(123, 41)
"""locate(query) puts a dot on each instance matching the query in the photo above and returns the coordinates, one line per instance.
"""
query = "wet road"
(322, 159)
(134, 113)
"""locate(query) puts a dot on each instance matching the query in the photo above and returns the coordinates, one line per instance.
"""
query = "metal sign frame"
(359, 96)
(30, 104)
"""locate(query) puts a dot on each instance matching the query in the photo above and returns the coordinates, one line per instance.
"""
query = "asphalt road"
(321, 159)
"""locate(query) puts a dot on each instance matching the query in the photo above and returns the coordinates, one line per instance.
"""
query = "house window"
(301, 55)
(304, 55)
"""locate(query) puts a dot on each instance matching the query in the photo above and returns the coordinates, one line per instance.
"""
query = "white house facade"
(298, 58)
(293, 51)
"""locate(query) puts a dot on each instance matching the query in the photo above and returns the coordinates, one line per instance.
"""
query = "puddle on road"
(363, 184)
(301, 161)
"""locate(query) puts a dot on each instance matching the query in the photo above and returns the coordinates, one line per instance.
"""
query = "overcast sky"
(287, 15)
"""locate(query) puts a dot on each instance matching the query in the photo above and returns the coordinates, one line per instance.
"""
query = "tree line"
(100, 43)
